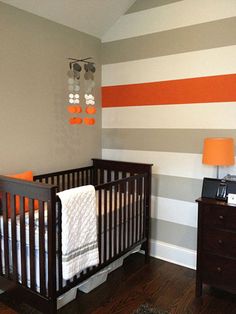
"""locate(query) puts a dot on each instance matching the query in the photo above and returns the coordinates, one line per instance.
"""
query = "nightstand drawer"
(219, 271)
(219, 242)
(220, 216)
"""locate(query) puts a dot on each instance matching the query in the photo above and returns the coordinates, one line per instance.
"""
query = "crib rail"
(19, 202)
(121, 223)
(109, 170)
(67, 179)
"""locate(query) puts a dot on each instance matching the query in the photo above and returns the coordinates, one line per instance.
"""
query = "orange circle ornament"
(72, 120)
(78, 109)
(91, 110)
(79, 120)
(89, 121)
(74, 109)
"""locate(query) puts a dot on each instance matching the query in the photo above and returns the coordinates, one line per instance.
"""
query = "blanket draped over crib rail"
(79, 230)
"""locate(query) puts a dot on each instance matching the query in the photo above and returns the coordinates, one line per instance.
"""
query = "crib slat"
(125, 216)
(128, 213)
(120, 218)
(63, 182)
(32, 245)
(78, 178)
(101, 176)
(60, 280)
(115, 219)
(5, 227)
(86, 177)
(110, 221)
(42, 248)
(83, 180)
(68, 181)
(136, 210)
(105, 225)
(132, 213)
(52, 180)
(100, 226)
(23, 242)
(108, 175)
(140, 208)
(116, 175)
(13, 236)
(144, 209)
(58, 181)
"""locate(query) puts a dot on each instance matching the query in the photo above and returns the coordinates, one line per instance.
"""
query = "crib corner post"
(148, 211)
(52, 293)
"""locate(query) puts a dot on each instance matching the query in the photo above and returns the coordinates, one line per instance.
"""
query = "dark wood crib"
(123, 191)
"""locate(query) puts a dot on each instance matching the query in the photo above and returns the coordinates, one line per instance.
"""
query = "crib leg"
(145, 248)
(147, 255)
(52, 307)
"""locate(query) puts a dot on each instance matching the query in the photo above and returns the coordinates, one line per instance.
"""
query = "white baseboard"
(173, 254)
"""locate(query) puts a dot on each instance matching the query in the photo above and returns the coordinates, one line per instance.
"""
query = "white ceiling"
(94, 17)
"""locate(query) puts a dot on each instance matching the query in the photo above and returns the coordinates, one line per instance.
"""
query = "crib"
(31, 257)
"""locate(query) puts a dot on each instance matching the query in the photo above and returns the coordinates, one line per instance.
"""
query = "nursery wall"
(35, 133)
(169, 77)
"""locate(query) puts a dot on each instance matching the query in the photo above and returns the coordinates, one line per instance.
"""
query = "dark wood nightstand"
(216, 248)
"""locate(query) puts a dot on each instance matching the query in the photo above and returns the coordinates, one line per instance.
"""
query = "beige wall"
(34, 128)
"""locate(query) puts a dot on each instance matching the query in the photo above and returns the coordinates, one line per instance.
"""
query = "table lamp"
(218, 152)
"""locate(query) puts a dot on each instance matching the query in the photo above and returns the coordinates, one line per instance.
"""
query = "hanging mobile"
(74, 99)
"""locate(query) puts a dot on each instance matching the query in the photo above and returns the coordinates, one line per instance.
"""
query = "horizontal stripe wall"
(169, 77)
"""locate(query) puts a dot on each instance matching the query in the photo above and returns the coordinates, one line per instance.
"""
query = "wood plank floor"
(164, 285)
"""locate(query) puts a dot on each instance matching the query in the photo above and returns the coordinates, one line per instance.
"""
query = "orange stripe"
(221, 88)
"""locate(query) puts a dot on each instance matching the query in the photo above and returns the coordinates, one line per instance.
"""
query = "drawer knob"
(221, 217)
(219, 269)
(220, 241)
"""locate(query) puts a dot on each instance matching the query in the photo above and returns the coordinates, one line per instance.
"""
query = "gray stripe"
(78, 252)
(173, 233)
(191, 38)
(164, 140)
(141, 5)
(178, 188)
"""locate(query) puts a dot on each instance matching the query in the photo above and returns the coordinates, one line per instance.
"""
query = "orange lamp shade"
(218, 151)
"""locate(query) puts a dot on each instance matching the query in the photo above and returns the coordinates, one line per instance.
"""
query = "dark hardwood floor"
(158, 283)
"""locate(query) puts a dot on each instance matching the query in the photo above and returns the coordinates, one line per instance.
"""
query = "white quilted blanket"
(79, 230)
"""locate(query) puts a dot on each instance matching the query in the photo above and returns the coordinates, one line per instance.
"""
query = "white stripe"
(173, 254)
(175, 15)
(168, 163)
(180, 212)
(188, 116)
(201, 63)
